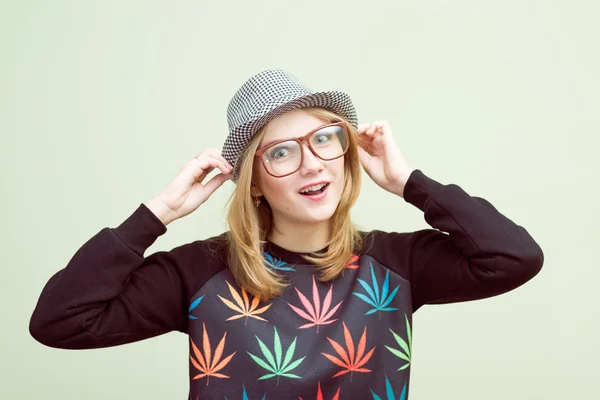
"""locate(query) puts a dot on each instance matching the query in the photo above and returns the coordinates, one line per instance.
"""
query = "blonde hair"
(249, 225)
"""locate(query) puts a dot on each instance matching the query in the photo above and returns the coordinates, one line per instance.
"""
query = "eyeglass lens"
(284, 158)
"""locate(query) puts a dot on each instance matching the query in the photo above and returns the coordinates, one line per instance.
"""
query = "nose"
(310, 163)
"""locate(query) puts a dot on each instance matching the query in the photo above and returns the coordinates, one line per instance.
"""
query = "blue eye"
(278, 153)
(322, 138)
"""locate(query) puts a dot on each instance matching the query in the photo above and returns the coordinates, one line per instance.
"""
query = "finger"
(206, 165)
(214, 183)
(362, 128)
(217, 154)
(375, 126)
(381, 126)
(212, 152)
(215, 163)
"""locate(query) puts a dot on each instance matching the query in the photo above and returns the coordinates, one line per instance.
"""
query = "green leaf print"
(273, 362)
(405, 350)
(378, 300)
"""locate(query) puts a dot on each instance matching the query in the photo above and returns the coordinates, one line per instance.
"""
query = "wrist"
(161, 211)
(398, 187)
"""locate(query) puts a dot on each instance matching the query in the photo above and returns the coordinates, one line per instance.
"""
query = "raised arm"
(484, 253)
(109, 294)
(473, 252)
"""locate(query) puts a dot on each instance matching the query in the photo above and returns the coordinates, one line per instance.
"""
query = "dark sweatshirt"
(349, 338)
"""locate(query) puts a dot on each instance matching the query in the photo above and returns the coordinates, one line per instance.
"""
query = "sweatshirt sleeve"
(109, 294)
(473, 252)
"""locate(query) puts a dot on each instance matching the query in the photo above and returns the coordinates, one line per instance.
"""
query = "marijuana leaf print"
(320, 394)
(274, 263)
(245, 396)
(405, 353)
(389, 392)
(316, 314)
(274, 364)
(193, 305)
(348, 359)
(204, 363)
(377, 300)
(243, 305)
(352, 264)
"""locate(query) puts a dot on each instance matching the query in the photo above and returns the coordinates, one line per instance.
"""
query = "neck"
(300, 238)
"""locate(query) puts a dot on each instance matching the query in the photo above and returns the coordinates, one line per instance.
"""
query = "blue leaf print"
(245, 396)
(379, 301)
(274, 263)
(389, 392)
(193, 305)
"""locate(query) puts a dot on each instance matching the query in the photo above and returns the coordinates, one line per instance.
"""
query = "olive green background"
(102, 102)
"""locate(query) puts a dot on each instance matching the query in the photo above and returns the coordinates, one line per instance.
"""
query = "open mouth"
(315, 190)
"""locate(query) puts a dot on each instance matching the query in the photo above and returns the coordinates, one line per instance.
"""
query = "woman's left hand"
(381, 157)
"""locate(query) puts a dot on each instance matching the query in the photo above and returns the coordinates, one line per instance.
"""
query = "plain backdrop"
(102, 102)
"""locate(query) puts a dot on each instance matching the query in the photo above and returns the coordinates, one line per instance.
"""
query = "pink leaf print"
(314, 313)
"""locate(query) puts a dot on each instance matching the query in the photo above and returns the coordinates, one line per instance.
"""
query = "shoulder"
(377, 240)
(216, 245)
(201, 259)
(391, 249)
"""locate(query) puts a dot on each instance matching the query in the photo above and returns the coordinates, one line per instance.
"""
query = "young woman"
(292, 302)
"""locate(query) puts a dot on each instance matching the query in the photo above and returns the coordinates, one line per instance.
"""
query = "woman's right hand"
(187, 192)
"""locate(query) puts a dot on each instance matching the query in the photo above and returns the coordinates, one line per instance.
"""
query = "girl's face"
(283, 194)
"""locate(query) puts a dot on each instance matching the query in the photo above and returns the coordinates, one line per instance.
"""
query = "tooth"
(314, 187)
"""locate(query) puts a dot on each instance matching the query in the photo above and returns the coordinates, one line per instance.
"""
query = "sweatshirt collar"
(288, 256)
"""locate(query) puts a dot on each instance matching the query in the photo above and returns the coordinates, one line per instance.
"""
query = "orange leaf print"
(352, 264)
(316, 314)
(348, 359)
(320, 394)
(204, 363)
(243, 306)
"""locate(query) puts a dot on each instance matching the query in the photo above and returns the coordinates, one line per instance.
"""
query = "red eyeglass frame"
(260, 152)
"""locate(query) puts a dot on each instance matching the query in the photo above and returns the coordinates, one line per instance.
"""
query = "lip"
(312, 184)
(319, 196)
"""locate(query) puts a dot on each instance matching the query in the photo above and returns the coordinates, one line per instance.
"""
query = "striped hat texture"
(267, 95)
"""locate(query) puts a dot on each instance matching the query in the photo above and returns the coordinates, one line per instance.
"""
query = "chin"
(319, 213)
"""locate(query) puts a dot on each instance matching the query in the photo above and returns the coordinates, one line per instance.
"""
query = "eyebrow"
(290, 138)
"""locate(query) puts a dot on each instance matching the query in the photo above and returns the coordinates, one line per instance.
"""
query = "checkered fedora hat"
(267, 95)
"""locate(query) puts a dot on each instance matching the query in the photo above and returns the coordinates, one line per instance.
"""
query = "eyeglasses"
(284, 157)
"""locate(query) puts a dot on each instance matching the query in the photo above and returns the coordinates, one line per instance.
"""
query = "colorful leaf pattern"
(314, 313)
(243, 305)
(274, 364)
(245, 396)
(350, 360)
(279, 362)
(352, 263)
(205, 364)
(193, 305)
(406, 348)
(389, 392)
(273, 263)
(320, 394)
(379, 301)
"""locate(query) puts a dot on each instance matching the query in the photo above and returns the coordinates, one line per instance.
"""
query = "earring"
(257, 201)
